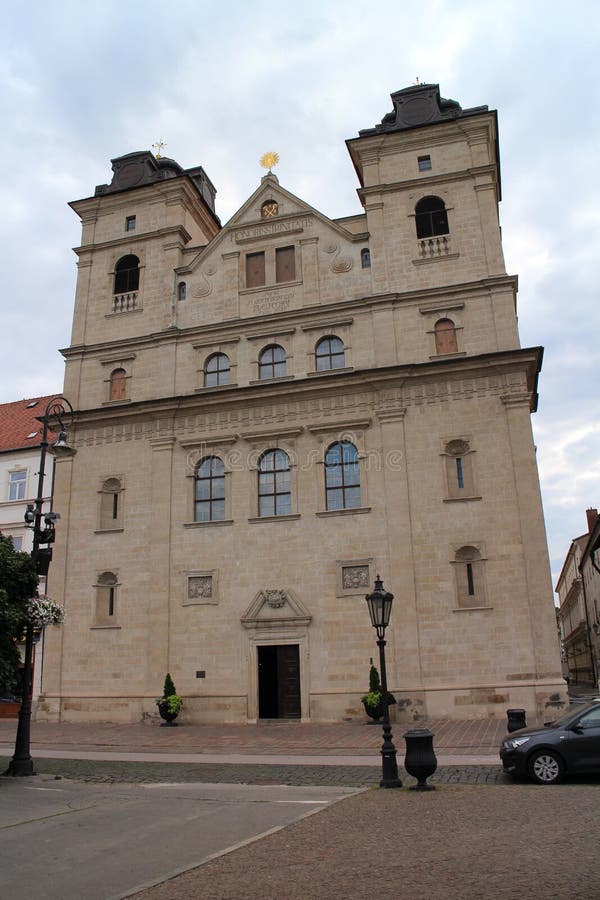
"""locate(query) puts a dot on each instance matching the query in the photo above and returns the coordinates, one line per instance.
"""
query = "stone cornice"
(257, 411)
(306, 317)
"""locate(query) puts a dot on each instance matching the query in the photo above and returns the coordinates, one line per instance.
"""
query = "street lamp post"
(59, 411)
(380, 608)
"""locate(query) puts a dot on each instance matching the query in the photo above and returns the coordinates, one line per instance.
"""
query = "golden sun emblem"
(268, 160)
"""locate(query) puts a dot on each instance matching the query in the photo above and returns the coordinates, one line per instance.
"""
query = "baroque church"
(272, 412)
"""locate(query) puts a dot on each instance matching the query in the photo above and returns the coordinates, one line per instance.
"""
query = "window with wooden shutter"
(118, 385)
(285, 264)
(255, 270)
(445, 337)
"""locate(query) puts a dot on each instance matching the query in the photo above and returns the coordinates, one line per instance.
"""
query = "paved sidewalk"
(293, 753)
(264, 743)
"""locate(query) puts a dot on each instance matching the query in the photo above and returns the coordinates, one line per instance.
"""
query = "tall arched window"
(342, 476)
(209, 490)
(181, 290)
(118, 384)
(365, 258)
(272, 362)
(127, 274)
(445, 336)
(111, 505)
(459, 469)
(469, 577)
(274, 484)
(217, 370)
(106, 599)
(431, 217)
(329, 353)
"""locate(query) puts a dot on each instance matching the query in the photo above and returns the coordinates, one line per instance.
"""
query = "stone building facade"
(578, 589)
(272, 412)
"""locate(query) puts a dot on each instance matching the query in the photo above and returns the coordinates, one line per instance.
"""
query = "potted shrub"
(373, 699)
(170, 703)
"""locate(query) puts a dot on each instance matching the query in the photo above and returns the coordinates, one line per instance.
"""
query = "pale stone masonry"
(272, 412)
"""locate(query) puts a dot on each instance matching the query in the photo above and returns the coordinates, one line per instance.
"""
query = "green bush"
(169, 688)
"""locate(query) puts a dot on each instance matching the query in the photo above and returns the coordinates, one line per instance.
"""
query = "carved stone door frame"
(277, 617)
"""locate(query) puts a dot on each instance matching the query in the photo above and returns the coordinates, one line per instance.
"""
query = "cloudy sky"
(222, 83)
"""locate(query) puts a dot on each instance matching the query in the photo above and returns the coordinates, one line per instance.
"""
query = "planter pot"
(376, 712)
(9, 709)
(169, 717)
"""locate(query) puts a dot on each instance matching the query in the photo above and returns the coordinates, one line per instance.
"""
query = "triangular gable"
(248, 217)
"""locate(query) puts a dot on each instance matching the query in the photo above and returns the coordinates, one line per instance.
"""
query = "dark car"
(568, 746)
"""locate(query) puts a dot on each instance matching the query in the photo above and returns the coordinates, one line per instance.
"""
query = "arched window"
(127, 275)
(118, 384)
(272, 362)
(274, 484)
(329, 353)
(181, 290)
(365, 258)
(342, 476)
(217, 370)
(111, 506)
(431, 217)
(209, 490)
(445, 336)
(459, 470)
(106, 598)
(469, 577)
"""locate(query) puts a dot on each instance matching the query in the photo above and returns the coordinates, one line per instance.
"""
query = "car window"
(570, 715)
(591, 719)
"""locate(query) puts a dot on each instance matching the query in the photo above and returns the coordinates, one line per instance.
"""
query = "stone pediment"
(249, 227)
(275, 607)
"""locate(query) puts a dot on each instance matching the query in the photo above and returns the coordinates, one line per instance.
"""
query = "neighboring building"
(20, 440)
(590, 577)
(573, 617)
(272, 412)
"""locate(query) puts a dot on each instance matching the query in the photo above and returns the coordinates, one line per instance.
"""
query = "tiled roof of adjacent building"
(19, 428)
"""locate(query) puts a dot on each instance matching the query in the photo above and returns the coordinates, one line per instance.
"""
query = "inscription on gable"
(272, 303)
(285, 226)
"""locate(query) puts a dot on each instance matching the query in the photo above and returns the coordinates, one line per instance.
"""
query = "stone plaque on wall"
(354, 577)
(200, 587)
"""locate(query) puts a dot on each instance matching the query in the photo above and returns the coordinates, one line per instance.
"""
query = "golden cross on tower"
(158, 147)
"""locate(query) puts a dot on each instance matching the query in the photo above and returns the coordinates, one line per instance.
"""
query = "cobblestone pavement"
(344, 775)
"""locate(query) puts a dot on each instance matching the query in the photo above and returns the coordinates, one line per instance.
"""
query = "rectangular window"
(424, 163)
(16, 485)
(459, 473)
(470, 581)
(255, 270)
(130, 223)
(285, 264)
(17, 542)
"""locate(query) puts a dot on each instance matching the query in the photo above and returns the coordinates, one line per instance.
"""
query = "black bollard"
(420, 760)
(516, 719)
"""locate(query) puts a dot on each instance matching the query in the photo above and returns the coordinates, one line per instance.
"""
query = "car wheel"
(546, 767)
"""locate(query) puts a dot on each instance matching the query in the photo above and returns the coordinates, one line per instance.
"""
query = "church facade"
(272, 412)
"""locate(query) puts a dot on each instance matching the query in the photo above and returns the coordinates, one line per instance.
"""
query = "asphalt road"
(65, 840)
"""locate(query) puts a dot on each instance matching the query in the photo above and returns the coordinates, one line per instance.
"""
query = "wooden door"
(288, 681)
